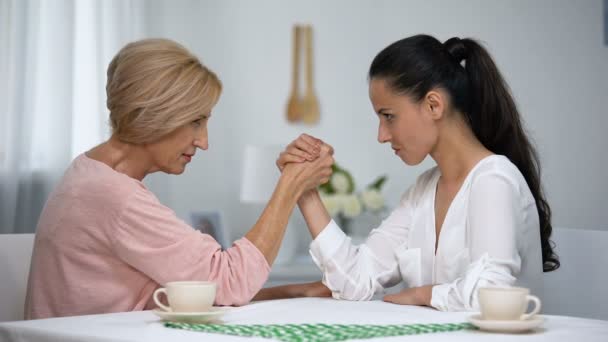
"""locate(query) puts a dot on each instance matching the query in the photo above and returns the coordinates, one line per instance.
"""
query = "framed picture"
(606, 22)
(210, 222)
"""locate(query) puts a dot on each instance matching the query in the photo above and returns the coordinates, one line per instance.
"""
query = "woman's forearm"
(278, 292)
(314, 212)
(270, 293)
(268, 231)
(314, 289)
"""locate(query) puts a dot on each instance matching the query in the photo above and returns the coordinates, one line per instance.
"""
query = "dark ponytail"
(418, 64)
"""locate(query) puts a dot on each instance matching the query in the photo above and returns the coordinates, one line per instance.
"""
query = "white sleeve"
(494, 215)
(358, 272)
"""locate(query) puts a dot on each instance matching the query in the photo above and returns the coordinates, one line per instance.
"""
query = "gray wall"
(551, 52)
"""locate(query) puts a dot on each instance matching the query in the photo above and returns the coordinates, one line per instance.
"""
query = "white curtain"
(53, 58)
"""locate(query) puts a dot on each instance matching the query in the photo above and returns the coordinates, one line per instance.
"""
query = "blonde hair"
(156, 86)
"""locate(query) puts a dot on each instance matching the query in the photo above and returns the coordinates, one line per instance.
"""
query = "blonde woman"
(104, 242)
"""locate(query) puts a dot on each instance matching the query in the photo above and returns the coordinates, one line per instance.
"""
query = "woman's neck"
(132, 160)
(457, 151)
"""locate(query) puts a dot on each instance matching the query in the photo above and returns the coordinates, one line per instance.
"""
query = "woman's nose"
(203, 144)
(383, 134)
(202, 141)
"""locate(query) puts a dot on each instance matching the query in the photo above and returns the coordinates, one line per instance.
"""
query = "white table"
(145, 326)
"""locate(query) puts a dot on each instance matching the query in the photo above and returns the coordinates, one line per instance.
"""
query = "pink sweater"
(104, 243)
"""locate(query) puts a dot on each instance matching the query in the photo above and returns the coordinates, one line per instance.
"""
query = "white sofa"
(15, 256)
(579, 287)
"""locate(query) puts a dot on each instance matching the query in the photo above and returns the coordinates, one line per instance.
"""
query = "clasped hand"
(310, 157)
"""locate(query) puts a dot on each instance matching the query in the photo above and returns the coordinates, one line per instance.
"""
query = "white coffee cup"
(187, 296)
(506, 303)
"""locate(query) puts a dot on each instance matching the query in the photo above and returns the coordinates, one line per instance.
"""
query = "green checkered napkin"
(320, 332)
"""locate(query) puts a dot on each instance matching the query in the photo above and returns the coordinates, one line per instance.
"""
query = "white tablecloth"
(145, 326)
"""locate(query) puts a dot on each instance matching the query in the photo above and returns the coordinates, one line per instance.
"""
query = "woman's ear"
(434, 101)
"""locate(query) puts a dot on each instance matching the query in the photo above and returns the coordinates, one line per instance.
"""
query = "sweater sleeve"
(152, 239)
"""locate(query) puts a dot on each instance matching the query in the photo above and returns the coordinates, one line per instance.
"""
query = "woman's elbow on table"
(227, 298)
(239, 274)
(353, 291)
(236, 288)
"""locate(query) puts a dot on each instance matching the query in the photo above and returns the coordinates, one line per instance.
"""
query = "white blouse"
(490, 236)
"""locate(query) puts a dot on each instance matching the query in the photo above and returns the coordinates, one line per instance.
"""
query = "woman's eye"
(388, 117)
(198, 122)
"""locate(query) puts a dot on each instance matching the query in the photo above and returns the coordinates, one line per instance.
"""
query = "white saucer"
(192, 317)
(506, 326)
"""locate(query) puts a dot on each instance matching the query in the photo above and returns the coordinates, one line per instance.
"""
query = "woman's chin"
(408, 160)
(176, 170)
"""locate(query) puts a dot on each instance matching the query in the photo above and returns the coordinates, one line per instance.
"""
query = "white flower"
(332, 203)
(372, 199)
(339, 181)
(352, 206)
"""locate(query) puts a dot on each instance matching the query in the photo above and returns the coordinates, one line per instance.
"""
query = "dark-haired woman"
(479, 218)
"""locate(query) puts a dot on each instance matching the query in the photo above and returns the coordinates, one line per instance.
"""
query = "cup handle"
(530, 298)
(157, 301)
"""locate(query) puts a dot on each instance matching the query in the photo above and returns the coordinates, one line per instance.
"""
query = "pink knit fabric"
(104, 243)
